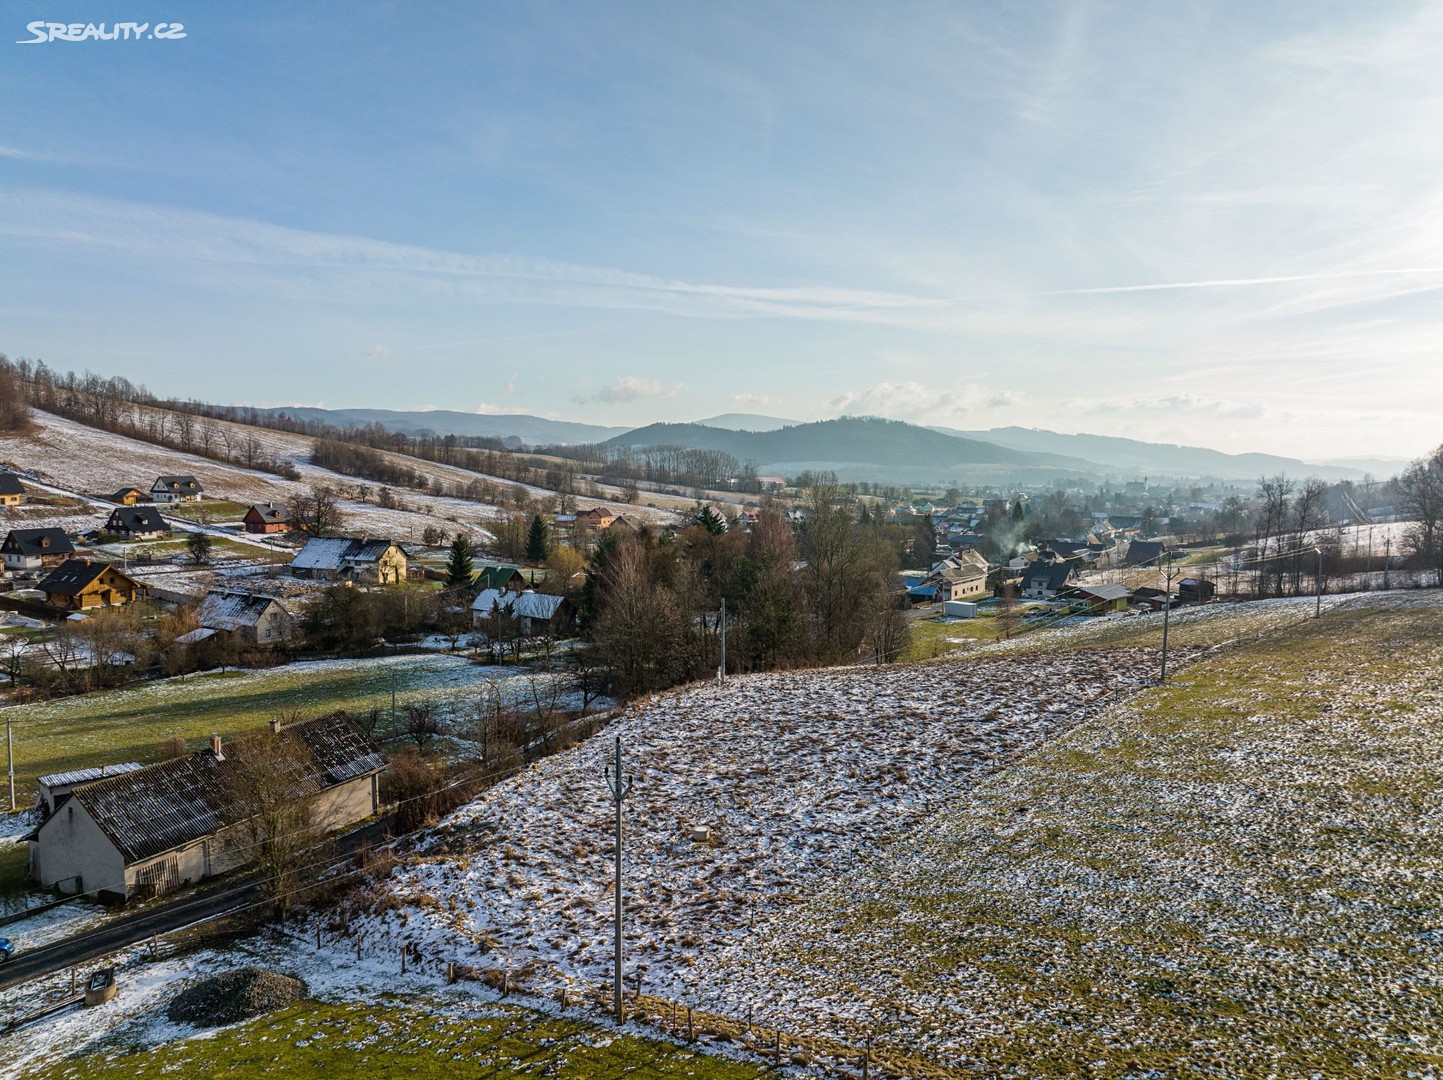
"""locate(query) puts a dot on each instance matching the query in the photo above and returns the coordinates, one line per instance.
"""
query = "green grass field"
(209, 511)
(406, 1037)
(135, 723)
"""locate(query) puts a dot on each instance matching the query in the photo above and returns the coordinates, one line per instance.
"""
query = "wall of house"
(70, 843)
(346, 804)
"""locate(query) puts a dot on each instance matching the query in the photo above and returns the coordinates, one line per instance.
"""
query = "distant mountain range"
(872, 449)
(531, 430)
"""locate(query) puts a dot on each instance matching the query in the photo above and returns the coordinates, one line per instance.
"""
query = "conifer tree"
(537, 545)
(459, 568)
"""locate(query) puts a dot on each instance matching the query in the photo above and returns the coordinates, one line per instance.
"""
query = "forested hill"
(854, 440)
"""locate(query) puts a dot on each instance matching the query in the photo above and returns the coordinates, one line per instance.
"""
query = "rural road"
(127, 930)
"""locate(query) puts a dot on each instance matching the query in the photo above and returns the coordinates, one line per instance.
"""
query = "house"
(1191, 590)
(151, 830)
(537, 614)
(1100, 599)
(260, 620)
(342, 558)
(174, 489)
(268, 517)
(136, 523)
(1145, 553)
(503, 578)
(959, 575)
(78, 584)
(35, 549)
(598, 517)
(128, 496)
(1044, 580)
(12, 492)
(625, 524)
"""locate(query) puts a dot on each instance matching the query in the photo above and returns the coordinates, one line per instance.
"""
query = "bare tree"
(1419, 493)
(421, 724)
(318, 512)
(265, 779)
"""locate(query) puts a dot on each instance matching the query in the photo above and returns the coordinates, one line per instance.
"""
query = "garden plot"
(802, 778)
(1235, 875)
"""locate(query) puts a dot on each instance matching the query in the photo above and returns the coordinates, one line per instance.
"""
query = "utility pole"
(620, 785)
(10, 759)
(721, 675)
(1318, 610)
(1166, 615)
(1387, 558)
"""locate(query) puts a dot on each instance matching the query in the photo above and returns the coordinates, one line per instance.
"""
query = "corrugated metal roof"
(334, 552)
(95, 772)
(166, 806)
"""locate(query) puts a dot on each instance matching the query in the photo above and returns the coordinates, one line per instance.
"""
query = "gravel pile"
(235, 996)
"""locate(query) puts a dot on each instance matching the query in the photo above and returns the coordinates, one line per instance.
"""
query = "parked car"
(6, 949)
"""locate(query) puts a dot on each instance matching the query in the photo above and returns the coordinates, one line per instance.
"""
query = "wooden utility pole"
(620, 785)
(1166, 615)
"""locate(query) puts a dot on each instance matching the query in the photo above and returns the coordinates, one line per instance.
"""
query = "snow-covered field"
(801, 777)
(72, 457)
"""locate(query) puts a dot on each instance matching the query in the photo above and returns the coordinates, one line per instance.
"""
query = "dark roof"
(73, 575)
(136, 519)
(275, 512)
(37, 542)
(10, 484)
(166, 806)
(1053, 574)
(1103, 592)
(1142, 552)
(187, 484)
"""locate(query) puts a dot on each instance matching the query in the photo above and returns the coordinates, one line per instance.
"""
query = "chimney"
(215, 748)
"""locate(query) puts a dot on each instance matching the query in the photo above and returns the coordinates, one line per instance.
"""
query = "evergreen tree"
(459, 568)
(537, 545)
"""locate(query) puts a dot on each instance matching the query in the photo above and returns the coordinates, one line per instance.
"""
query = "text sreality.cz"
(126, 31)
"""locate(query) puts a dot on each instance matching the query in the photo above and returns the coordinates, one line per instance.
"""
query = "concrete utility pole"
(10, 759)
(1318, 610)
(1387, 558)
(1166, 615)
(620, 785)
(721, 674)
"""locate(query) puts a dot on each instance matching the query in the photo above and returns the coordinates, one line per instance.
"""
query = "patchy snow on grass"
(798, 776)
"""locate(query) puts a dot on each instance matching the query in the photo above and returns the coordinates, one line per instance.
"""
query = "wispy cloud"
(631, 388)
(377, 352)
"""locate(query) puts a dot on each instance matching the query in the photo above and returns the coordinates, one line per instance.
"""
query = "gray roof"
(82, 776)
(334, 552)
(38, 542)
(187, 485)
(233, 610)
(10, 484)
(1141, 552)
(166, 806)
(1105, 592)
(531, 605)
(270, 511)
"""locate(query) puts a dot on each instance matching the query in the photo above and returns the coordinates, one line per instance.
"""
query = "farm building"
(35, 549)
(340, 558)
(268, 517)
(154, 829)
(129, 496)
(598, 517)
(12, 492)
(78, 584)
(136, 523)
(1145, 553)
(1191, 590)
(56, 786)
(175, 489)
(536, 614)
(260, 620)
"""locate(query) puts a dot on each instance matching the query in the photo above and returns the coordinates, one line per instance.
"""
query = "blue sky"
(1218, 224)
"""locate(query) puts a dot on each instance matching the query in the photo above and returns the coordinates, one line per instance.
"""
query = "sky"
(1218, 224)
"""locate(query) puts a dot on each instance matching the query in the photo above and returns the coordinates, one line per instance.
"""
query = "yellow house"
(78, 584)
(11, 492)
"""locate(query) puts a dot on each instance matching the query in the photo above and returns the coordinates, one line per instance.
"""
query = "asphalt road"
(127, 930)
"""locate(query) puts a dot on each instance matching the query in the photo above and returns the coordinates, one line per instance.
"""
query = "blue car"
(6, 949)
